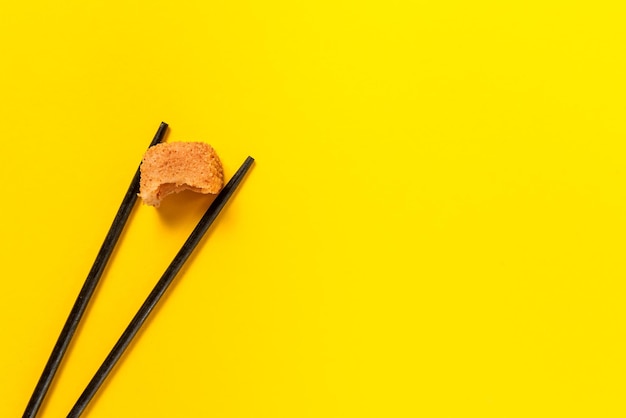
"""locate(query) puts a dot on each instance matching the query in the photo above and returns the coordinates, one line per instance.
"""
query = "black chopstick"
(159, 289)
(87, 290)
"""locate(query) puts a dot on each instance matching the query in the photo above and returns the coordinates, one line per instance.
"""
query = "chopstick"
(159, 289)
(86, 292)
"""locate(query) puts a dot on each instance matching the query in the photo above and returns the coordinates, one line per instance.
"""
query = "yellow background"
(434, 226)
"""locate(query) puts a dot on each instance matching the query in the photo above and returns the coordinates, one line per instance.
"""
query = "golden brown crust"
(176, 166)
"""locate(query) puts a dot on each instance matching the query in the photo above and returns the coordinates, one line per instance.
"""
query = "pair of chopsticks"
(144, 311)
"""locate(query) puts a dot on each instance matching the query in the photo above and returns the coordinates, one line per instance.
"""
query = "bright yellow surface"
(434, 226)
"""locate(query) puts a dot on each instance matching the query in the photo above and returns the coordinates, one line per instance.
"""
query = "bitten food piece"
(176, 166)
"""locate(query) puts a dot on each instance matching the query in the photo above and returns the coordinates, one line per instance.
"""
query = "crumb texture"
(176, 166)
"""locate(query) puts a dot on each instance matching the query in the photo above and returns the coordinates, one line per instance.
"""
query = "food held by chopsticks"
(169, 168)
